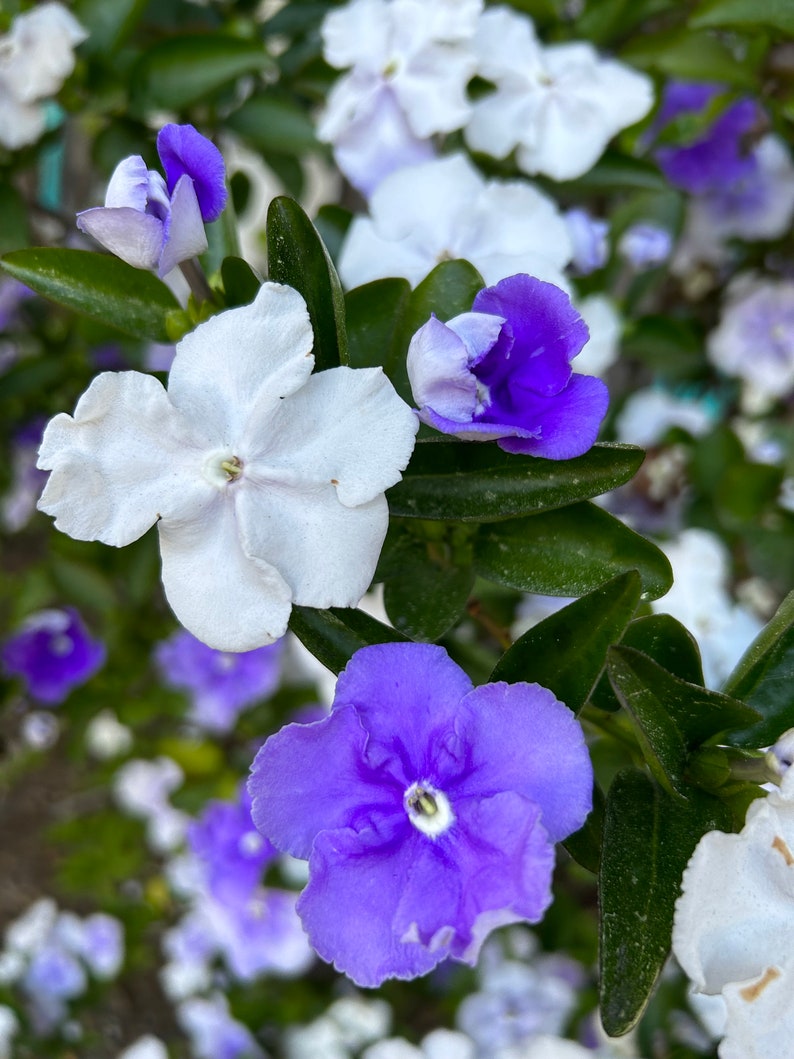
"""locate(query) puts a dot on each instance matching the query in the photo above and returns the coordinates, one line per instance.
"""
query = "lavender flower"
(503, 371)
(53, 653)
(220, 684)
(214, 1033)
(151, 222)
(27, 481)
(427, 809)
(589, 239)
(645, 245)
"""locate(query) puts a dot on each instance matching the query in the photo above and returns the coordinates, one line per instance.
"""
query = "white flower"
(558, 105)
(602, 348)
(267, 482)
(734, 929)
(36, 57)
(648, 414)
(146, 1047)
(443, 209)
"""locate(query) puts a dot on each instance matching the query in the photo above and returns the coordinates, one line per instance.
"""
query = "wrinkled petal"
(230, 600)
(121, 463)
(566, 425)
(184, 230)
(760, 1015)
(492, 867)
(243, 359)
(439, 373)
(135, 237)
(185, 152)
(432, 89)
(511, 729)
(356, 32)
(350, 903)
(128, 185)
(385, 681)
(295, 795)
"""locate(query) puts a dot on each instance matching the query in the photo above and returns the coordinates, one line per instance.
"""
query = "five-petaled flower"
(267, 482)
(428, 809)
(152, 222)
(503, 371)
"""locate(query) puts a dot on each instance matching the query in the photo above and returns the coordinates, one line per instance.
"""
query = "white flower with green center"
(266, 482)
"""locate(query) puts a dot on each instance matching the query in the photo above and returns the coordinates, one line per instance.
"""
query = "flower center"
(221, 468)
(428, 809)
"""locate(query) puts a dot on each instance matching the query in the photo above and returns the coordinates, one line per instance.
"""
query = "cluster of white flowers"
(409, 64)
(36, 57)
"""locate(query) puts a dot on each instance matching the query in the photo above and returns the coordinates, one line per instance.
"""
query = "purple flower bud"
(428, 809)
(53, 653)
(185, 152)
(503, 372)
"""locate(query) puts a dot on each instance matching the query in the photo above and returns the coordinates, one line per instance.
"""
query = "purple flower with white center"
(645, 245)
(503, 371)
(152, 222)
(722, 154)
(53, 652)
(589, 239)
(220, 684)
(427, 809)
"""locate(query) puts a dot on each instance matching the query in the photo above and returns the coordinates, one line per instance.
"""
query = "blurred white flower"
(558, 106)
(648, 414)
(605, 326)
(146, 1047)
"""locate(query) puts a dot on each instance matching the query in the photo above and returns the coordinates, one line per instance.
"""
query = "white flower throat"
(222, 467)
(428, 809)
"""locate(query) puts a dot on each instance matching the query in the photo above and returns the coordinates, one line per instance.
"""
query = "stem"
(194, 274)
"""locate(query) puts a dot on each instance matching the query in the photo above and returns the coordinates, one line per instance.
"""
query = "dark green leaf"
(108, 22)
(567, 651)
(567, 553)
(274, 123)
(429, 593)
(478, 482)
(333, 636)
(332, 222)
(447, 291)
(13, 219)
(647, 842)
(687, 55)
(180, 71)
(98, 285)
(240, 283)
(375, 314)
(776, 14)
(585, 844)
(298, 258)
(764, 679)
(616, 172)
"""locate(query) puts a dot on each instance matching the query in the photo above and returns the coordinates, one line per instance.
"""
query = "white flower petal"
(428, 201)
(121, 463)
(227, 599)
(366, 255)
(42, 50)
(135, 237)
(241, 360)
(760, 1023)
(129, 184)
(185, 234)
(20, 123)
(357, 34)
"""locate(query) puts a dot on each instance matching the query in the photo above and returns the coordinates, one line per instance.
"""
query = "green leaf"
(478, 482)
(298, 258)
(108, 22)
(566, 652)
(776, 14)
(98, 285)
(180, 71)
(617, 172)
(687, 55)
(333, 636)
(240, 283)
(447, 291)
(585, 844)
(14, 232)
(567, 553)
(666, 641)
(647, 842)
(274, 123)
(427, 592)
(375, 314)
(764, 679)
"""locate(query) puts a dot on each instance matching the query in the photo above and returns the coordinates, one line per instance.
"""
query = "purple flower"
(645, 245)
(151, 222)
(220, 684)
(589, 239)
(27, 481)
(428, 809)
(721, 155)
(12, 295)
(53, 653)
(503, 371)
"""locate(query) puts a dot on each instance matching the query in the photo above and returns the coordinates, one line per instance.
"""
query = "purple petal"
(351, 902)
(547, 334)
(420, 685)
(53, 652)
(184, 231)
(308, 778)
(493, 866)
(563, 426)
(184, 151)
(522, 739)
(719, 157)
(135, 237)
(438, 370)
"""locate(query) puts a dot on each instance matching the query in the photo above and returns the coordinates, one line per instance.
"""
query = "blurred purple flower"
(503, 372)
(53, 652)
(646, 245)
(12, 295)
(220, 684)
(589, 238)
(152, 222)
(27, 481)
(214, 1033)
(427, 809)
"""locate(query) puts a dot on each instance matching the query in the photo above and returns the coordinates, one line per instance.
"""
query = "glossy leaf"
(764, 679)
(375, 314)
(298, 258)
(776, 14)
(446, 291)
(240, 283)
(585, 844)
(274, 123)
(567, 553)
(647, 841)
(428, 594)
(333, 636)
(478, 482)
(567, 651)
(180, 71)
(98, 285)
(108, 22)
